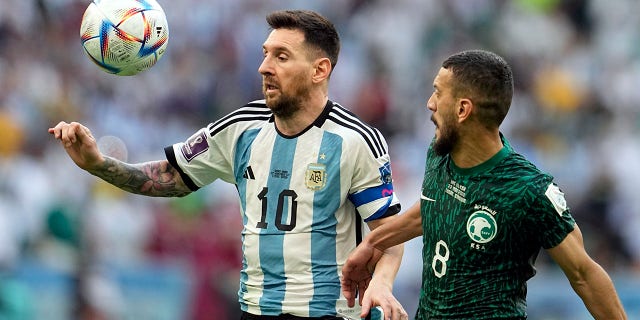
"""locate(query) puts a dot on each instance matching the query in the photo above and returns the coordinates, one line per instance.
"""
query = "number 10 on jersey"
(285, 196)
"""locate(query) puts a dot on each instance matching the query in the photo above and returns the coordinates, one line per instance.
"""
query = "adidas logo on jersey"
(248, 173)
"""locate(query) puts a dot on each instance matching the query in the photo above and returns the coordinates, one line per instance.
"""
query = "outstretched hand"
(79, 144)
(357, 272)
(380, 294)
(357, 280)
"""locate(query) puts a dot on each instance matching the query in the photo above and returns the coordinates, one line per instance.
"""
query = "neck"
(474, 149)
(304, 117)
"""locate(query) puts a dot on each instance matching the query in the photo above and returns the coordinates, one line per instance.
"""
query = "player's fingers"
(68, 134)
(397, 312)
(56, 131)
(362, 288)
(348, 290)
(393, 310)
(76, 132)
(87, 132)
(65, 133)
(365, 306)
(403, 315)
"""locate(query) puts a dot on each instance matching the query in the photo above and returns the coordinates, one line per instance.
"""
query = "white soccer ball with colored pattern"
(124, 37)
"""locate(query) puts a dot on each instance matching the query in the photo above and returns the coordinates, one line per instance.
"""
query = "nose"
(431, 104)
(265, 67)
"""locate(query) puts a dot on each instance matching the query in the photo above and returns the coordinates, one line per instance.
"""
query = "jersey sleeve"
(372, 183)
(553, 220)
(203, 158)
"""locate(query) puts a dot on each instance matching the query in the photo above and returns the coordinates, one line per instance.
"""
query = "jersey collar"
(324, 115)
(487, 165)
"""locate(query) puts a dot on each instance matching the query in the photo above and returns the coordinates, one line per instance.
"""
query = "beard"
(288, 104)
(284, 106)
(448, 138)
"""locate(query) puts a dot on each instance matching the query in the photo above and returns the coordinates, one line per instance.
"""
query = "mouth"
(434, 122)
(269, 87)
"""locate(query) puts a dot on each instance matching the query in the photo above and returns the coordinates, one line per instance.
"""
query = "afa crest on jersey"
(316, 176)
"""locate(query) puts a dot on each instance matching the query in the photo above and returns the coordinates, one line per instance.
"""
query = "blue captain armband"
(373, 194)
(383, 191)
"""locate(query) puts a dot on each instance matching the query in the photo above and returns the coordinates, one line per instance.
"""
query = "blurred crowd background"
(72, 247)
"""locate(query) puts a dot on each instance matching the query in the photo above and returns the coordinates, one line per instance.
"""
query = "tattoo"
(155, 178)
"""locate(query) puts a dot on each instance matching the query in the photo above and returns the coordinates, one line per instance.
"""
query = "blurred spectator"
(594, 215)
(575, 112)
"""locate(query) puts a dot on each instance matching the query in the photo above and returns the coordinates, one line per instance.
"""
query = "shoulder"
(516, 170)
(345, 123)
(518, 166)
(252, 114)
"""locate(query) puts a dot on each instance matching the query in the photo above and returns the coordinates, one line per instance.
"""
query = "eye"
(282, 57)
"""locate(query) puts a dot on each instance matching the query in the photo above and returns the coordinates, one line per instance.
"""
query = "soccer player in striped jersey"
(308, 173)
(485, 211)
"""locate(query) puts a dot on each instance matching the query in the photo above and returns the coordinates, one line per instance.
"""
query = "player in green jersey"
(485, 211)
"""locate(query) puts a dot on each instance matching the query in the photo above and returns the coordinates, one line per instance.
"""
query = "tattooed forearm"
(156, 178)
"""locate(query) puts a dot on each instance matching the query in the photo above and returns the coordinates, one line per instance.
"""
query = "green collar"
(485, 166)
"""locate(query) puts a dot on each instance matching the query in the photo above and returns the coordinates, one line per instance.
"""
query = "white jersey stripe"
(249, 291)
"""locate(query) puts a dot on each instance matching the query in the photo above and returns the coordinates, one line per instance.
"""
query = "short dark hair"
(485, 78)
(318, 31)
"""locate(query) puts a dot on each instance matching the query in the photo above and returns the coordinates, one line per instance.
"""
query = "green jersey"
(483, 228)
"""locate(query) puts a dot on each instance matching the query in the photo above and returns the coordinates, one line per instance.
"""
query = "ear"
(322, 69)
(464, 108)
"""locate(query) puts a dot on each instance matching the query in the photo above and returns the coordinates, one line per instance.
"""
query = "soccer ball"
(124, 37)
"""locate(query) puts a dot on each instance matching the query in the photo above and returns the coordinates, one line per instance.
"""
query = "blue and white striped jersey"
(302, 200)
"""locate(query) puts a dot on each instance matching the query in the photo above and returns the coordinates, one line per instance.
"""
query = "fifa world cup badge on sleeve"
(196, 145)
(556, 197)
